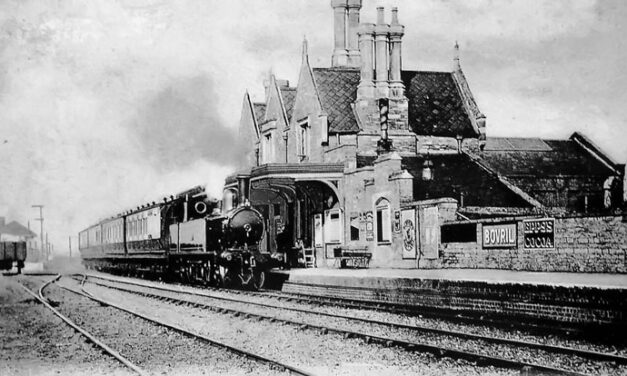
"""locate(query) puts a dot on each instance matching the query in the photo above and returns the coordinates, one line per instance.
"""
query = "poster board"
(539, 233)
(499, 235)
(408, 229)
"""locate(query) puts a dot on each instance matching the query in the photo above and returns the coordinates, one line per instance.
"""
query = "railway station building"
(370, 157)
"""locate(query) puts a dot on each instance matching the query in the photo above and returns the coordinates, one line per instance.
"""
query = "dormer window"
(267, 151)
(303, 140)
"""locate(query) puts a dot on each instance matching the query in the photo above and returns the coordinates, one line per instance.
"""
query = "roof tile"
(289, 95)
(435, 105)
(338, 90)
(537, 157)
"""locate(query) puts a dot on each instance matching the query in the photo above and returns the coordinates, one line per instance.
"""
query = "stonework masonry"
(582, 244)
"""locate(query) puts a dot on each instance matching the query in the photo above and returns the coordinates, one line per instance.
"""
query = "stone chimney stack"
(382, 53)
(354, 6)
(396, 34)
(340, 52)
(381, 104)
(345, 28)
(366, 48)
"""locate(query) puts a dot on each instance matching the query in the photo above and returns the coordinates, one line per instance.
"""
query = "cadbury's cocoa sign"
(539, 233)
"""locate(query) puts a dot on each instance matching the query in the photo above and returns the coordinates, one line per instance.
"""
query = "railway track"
(479, 358)
(235, 350)
(39, 296)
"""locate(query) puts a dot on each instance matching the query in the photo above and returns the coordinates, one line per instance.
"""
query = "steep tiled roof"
(260, 111)
(537, 157)
(435, 104)
(289, 95)
(338, 90)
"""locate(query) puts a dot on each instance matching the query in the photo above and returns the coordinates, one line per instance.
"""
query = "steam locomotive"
(186, 237)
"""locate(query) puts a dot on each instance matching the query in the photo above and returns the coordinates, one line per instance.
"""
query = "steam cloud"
(180, 124)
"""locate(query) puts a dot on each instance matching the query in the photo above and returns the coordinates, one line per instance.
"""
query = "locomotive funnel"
(243, 188)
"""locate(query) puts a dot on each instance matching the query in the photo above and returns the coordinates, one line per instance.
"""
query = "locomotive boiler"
(187, 237)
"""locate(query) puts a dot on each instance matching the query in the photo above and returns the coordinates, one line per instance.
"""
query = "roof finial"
(305, 52)
(456, 65)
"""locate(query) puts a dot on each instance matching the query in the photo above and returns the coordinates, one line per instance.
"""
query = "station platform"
(390, 277)
(584, 299)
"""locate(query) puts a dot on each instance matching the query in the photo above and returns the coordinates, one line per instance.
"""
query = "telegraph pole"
(41, 232)
(69, 240)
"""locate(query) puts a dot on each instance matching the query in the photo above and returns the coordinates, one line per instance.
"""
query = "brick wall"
(582, 244)
(524, 302)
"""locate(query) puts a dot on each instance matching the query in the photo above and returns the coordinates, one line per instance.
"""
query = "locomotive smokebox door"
(245, 226)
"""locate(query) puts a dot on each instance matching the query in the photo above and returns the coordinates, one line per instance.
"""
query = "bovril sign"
(539, 233)
(499, 235)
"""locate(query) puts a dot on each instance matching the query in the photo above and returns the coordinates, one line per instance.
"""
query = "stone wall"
(582, 244)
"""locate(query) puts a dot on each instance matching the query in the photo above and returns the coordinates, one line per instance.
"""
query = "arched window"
(384, 225)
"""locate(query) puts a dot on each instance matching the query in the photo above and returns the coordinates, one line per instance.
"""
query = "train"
(188, 237)
(12, 254)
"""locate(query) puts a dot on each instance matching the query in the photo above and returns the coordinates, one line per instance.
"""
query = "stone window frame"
(383, 222)
(304, 136)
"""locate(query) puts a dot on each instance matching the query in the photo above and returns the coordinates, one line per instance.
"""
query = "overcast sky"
(105, 105)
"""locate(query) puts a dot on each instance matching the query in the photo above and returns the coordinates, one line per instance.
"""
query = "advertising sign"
(369, 226)
(318, 230)
(500, 235)
(430, 228)
(539, 233)
(397, 221)
(408, 224)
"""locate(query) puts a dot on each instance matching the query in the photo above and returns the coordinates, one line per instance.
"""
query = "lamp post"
(41, 229)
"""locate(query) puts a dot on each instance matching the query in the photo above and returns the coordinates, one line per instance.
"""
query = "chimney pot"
(340, 52)
(366, 48)
(380, 15)
(352, 42)
(394, 15)
(397, 89)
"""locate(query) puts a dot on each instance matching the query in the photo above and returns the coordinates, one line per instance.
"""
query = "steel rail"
(408, 345)
(589, 354)
(39, 297)
(236, 350)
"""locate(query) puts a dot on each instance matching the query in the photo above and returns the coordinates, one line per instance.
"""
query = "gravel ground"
(324, 354)
(37, 342)
(569, 362)
(152, 347)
